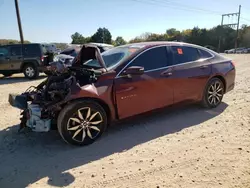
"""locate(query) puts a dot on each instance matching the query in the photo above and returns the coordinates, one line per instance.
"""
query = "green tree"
(102, 35)
(12, 41)
(77, 38)
(119, 41)
(244, 38)
(88, 40)
(173, 34)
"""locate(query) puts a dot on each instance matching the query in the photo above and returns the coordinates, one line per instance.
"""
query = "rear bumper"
(230, 80)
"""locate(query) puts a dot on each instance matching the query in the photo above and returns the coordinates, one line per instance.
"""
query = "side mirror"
(134, 70)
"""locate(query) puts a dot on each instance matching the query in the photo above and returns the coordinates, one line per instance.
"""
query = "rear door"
(33, 52)
(4, 58)
(151, 90)
(191, 70)
(15, 57)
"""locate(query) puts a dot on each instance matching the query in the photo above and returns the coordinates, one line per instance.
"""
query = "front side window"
(3, 52)
(152, 59)
(184, 54)
(16, 51)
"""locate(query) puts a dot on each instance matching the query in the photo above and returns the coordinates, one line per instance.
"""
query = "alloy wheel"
(215, 93)
(30, 72)
(84, 123)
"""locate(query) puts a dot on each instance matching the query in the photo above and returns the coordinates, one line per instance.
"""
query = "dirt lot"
(188, 147)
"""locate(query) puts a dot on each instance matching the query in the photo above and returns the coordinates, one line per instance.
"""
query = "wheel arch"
(27, 63)
(222, 79)
(99, 101)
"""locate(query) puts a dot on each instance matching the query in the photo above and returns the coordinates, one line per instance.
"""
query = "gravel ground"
(185, 147)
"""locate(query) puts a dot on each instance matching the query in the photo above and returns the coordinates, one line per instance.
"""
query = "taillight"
(42, 59)
(233, 63)
(28, 114)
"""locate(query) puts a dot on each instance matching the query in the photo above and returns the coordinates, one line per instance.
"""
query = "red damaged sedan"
(82, 100)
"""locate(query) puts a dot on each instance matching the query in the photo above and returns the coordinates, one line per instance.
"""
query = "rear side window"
(32, 50)
(205, 54)
(3, 52)
(16, 51)
(184, 54)
(152, 59)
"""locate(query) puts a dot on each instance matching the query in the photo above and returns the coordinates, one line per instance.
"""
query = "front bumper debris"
(35, 121)
(31, 116)
(18, 101)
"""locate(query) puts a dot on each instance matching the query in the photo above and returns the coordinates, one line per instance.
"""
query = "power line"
(179, 6)
(245, 23)
(190, 7)
(245, 19)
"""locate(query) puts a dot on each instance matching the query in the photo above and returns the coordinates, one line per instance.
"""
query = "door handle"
(204, 67)
(167, 73)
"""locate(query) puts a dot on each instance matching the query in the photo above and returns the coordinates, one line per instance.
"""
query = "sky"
(57, 20)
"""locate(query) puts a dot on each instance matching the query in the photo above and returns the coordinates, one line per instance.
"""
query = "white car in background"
(231, 51)
(67, 55)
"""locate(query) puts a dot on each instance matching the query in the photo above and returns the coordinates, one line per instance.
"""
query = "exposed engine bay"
(41, 104)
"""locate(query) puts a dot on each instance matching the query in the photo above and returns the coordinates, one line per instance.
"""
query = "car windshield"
(113, 56)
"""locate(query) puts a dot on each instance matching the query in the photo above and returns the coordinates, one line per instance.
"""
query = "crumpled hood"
(89, 51)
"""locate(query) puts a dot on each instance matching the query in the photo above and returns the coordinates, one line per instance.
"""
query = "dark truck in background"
(28, 60)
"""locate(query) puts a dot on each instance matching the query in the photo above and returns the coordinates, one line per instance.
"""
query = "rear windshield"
(113, 56)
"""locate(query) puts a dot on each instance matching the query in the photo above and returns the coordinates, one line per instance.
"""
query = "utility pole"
(220, 35)
(230, 25)
(19, 21)
(237, 36)
(102, 35)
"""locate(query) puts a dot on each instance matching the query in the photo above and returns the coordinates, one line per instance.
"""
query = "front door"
(4, 58)
(190, 73)
(151, 90)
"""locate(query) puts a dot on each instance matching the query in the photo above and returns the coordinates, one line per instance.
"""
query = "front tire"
(82, 122)
(30, 71)
(213, 93)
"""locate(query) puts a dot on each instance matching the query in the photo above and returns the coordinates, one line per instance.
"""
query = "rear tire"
(213, 93)
(7, 74)
(82, 122)
(30, 71)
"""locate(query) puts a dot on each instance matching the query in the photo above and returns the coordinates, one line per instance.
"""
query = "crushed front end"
(40, 105)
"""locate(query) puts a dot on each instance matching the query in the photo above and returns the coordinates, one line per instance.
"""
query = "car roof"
(145, 45)
(23, 44)
(101, 44)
